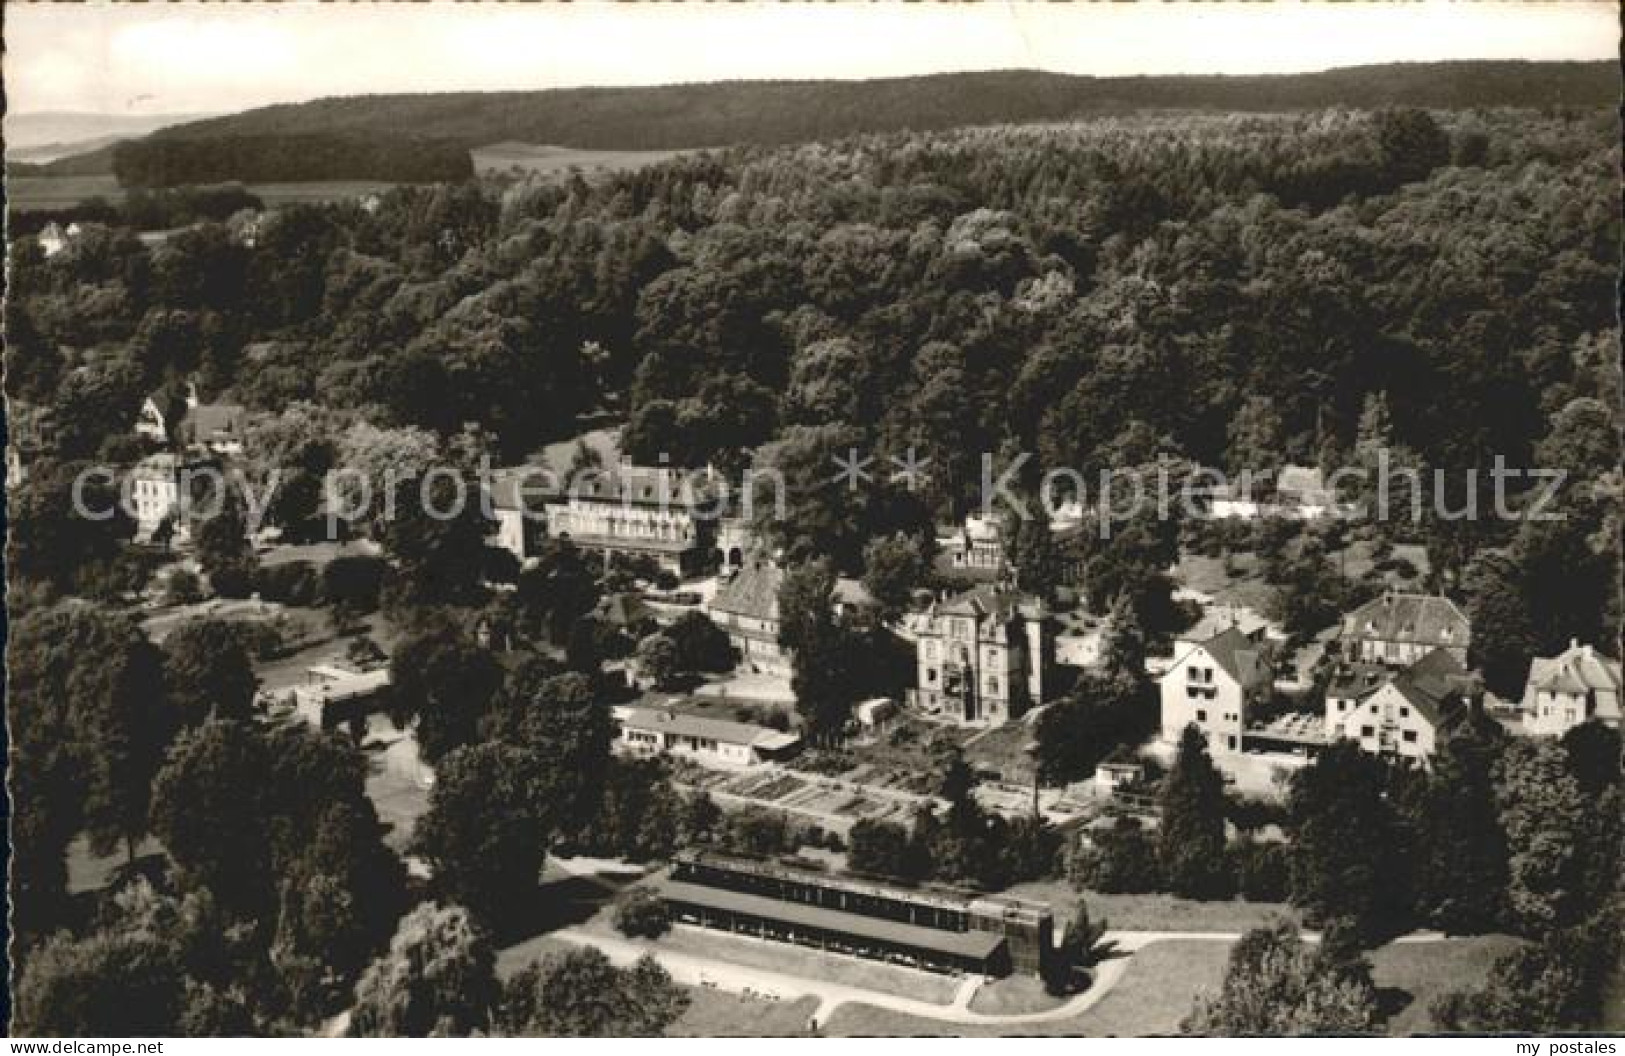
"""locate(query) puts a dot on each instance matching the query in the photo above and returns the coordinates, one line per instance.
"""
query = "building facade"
(1577, 685)
(983, 657)
(747, 608)
(1396, 713)
(710, 742)
(635, 511)
(1213, 684)
(930, 929)
(1399, 629)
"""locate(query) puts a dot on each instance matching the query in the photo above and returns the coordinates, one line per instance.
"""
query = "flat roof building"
(657, 731)
(932, 929)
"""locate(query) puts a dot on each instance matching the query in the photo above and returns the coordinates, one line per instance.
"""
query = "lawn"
(1154, 994)
(1155, 912)
(1208, 575)
(1413, 974)
(811, 964)
(1012, 995)
(718, 1014)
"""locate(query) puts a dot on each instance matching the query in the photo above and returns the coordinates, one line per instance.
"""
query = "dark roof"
(523, 487)
(754, 592)
(213, 421)
(622, 610)
(1238, 654)
(638, 486)
(979, 945)
(1420, 618)
(1430, 683)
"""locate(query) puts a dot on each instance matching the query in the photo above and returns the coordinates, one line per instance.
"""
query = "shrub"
(641, 914)
(295, 583)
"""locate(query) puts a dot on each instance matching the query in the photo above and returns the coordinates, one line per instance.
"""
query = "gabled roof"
(522, 488)
(1420, 618)
(1238, 654)
(1430, 683)
(622, 610)
(214, 421)
(1578, 669)
(983, 601)
(637, 486)
(753, 593)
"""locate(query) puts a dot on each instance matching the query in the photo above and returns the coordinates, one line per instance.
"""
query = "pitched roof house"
(1213, 684)
(1397, 713)
(1572, 687)
(747, 607)
(983, 656)
(1399, 629)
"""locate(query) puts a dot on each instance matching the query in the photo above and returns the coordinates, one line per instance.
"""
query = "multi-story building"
(1399, 629)
(636, 511)
(974, 549)
(935, 929)
(1213, 683)
(1575, 686)
(984, 657)
(154, 493)
(1396, 713)
(747, 607)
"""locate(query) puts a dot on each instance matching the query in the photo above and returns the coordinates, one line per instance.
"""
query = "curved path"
(715, 973)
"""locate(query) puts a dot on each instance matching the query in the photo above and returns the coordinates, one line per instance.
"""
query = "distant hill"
(677, 117)
(48, 134)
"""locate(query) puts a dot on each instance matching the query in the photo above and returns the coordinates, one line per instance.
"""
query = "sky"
(187, 58)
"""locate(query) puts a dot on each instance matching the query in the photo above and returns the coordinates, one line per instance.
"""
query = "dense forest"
(255, 146)
(1230, 291)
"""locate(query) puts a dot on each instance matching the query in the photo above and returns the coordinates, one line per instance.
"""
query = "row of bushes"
(1124, 860)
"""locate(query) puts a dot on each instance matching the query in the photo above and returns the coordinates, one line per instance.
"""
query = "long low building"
(663, 731)
(928, 929)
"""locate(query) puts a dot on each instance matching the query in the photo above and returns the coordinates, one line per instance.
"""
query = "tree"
(350, 585)
(1124, 649)
(580, 994)
(1123, 860)
(484, 835)
(883, 848)
(1257, 439)
(445, 681)
(641, 914)
(1191, 835)
(1364, 880)
(1411, 143)
(1543, 813)
(563, 729)
(658, 660)
(1276, 985)
(1461, 850)
(1557, 985)
(436, 540)
(892, 567)
(223, 548)
(89, 727)
(701, 644)
(1503, 634)
(437, 979)
(1102, 714)
(1065, 969)
(104, 985)
(208, 672)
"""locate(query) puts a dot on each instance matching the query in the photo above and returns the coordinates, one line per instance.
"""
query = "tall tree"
(580, 994)
(1191, 837)
(208, 671)
(1277, 985)
(1543, 813)
(437, 979)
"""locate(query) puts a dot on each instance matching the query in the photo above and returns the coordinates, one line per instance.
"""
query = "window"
(1410, 737)
(1404, 713)
(1368, 731)
(1201, 715)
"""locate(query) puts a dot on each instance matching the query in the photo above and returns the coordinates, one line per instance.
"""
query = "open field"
(539, 159)
(60, 192)
(811, 964)
(1154, 912)
(1414, 974)
(716, 1014)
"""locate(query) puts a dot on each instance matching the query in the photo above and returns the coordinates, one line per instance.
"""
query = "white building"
(634, 510)
(1396, 713)
(710, 742)
(1213, 684)
(1575, 686)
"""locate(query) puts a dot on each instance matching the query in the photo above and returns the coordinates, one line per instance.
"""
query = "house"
(1396, 713)
(1298, 492)
(521, 500)
(646, 511)
(153, 493)
(1575, 686)
(974, 549)
(747, 607)
(53, 239)
(1110, 776)
(983, 657)
(1398, 629)
(216, 428)
(333, 694)
(708, 741)
(1213, 684)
